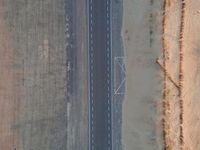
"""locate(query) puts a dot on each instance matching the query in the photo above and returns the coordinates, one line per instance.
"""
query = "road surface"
(100, 73)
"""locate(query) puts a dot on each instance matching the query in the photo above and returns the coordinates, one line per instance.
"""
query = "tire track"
(181, 72)
(165, 76)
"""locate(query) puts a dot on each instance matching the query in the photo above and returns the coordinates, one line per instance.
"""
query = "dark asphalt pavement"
(100, 135)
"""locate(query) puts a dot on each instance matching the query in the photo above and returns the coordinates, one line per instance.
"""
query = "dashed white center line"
(108, 81)
(92, 116)
(92, 95)
(108, 75)
(91, 74)
(108, 69)
(92, 67)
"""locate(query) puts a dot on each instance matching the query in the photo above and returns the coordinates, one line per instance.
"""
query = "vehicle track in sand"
(181, 71)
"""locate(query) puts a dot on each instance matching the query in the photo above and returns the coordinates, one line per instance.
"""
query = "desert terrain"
(44, 75)
(161, 45)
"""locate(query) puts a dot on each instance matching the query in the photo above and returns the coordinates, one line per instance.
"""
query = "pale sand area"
(142, 129)
(141, 119)
(182, 20)
(191, 80)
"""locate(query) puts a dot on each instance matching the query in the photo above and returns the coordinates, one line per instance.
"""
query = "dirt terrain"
(33, 75)
(141, 120)
(43, 66)
(8, 91)
(43, 92)
(161, 43)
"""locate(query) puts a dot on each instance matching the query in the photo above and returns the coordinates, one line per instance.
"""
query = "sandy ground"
(43, 65)
(181, 50)
(33, 75)
(162, 65)
(8, 91)
(78, 123)
(141, 123)
(175, 83)
(191, 80)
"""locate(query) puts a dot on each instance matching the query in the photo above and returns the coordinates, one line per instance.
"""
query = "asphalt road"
(100, 85)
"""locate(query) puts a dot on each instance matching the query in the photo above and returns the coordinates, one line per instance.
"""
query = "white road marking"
(92, 88)
(108, 81)
(108, 55)
(92, 67)
(109, 142)
(107, 22)
(92, 82)
(109, 115)
(109, 135)
(108, 75)
(108, 29)
(108, 68)
(91, 54)
(91, 7)
(92, 116)
(91, 49)
(92, 95)
(108, 36)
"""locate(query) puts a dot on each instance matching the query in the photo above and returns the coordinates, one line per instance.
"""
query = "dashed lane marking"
(108, 70)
